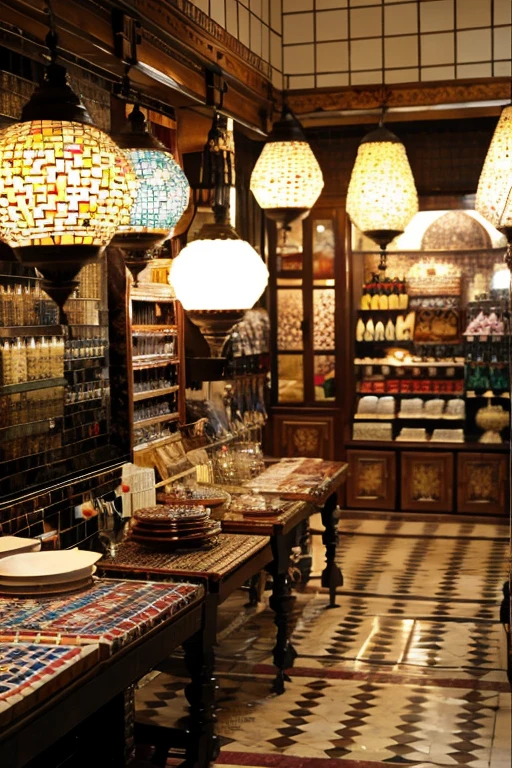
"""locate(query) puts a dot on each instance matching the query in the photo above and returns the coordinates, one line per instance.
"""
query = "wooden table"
(293, 508)
(129, 626)
(221, 570)
(315, 481)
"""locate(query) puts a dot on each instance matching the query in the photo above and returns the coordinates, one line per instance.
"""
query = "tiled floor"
(410, 668)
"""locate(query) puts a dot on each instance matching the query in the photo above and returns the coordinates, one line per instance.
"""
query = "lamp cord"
(52, 38)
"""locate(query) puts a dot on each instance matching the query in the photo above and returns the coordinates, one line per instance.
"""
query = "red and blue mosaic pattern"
(30, 673)
(112, 613)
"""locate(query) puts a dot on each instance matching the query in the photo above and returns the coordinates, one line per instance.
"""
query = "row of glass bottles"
(31, 359)
(36, 405)
(91, 390)
(26, 305)
(149, 409)
(154, 345)
(94, 346)
(151, 379)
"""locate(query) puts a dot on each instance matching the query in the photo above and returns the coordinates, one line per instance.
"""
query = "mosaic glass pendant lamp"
(163, 191)
(494, 193)
(64, 184)
(381, 197)
(286, 180)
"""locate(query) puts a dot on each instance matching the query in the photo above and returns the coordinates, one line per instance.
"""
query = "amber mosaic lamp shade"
(64, 185)
(381, 197)
(162, 193)
(286, 180)
(494, 193)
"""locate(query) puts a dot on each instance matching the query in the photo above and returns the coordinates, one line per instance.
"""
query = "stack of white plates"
(16, 545)
(47, 573)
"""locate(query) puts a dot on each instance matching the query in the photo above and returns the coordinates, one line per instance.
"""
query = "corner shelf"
(13, 331)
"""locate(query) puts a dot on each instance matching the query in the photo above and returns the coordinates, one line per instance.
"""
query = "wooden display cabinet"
(371, 480)
(482, 483)
(308, 312)
(427, 481)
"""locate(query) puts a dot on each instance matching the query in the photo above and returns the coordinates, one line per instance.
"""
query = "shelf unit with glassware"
(157, 362)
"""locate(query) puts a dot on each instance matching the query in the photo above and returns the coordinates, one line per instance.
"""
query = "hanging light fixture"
(64, 184)
(218, 276)
(494, 193)
(162, 194)
(286, 180)
(381, 197)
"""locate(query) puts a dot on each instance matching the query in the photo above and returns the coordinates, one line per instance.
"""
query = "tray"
(188, 501)
(162, 539)
(58, 579)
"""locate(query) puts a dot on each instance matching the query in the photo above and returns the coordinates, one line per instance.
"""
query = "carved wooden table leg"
(281, 602)
(203, 744)
(331, 575)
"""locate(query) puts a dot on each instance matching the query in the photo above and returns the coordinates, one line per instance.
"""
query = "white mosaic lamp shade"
(494, 193)
(219, 274)
(286, 175)
(287, 179)
(381, 195)
(62, 183)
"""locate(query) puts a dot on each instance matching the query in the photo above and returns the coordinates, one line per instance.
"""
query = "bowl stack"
(38, 574)
(173, 526)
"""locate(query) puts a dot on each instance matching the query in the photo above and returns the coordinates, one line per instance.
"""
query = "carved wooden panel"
(482, 483)
(427, 481)
(371, 480)
(303, 436)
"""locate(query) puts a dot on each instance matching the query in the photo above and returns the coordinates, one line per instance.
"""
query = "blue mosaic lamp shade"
(161, 199)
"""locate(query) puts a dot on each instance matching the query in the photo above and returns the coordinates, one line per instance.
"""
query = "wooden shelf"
(398, 364)
(12, 331)
(156, 420)
(411, 394)
(163, 330)
(472, 446)
(147, 361)
(154, 393)
(28, 386)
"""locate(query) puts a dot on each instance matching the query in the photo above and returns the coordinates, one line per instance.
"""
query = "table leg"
(331, 575)
(281, 602)
(203, 744)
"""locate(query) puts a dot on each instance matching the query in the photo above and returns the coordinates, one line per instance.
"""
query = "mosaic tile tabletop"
(302, 479)
(112, 613)
(31, 673)
(230, 553)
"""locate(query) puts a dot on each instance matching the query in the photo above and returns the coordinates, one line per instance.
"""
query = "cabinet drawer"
(482, 483)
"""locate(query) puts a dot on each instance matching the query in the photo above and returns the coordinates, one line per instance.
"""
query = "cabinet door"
(371, 480)
(303, 436)
(427, 481)
(482, 483)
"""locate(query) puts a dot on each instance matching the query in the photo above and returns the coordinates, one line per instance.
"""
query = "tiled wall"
(330, 43)
(257, 24)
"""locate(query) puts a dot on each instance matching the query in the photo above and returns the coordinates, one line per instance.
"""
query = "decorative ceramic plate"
(209, 497)
(164, 513)
(39, 565)
(59, 578)
(44, 590)
(162, 539)
(10, 545)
